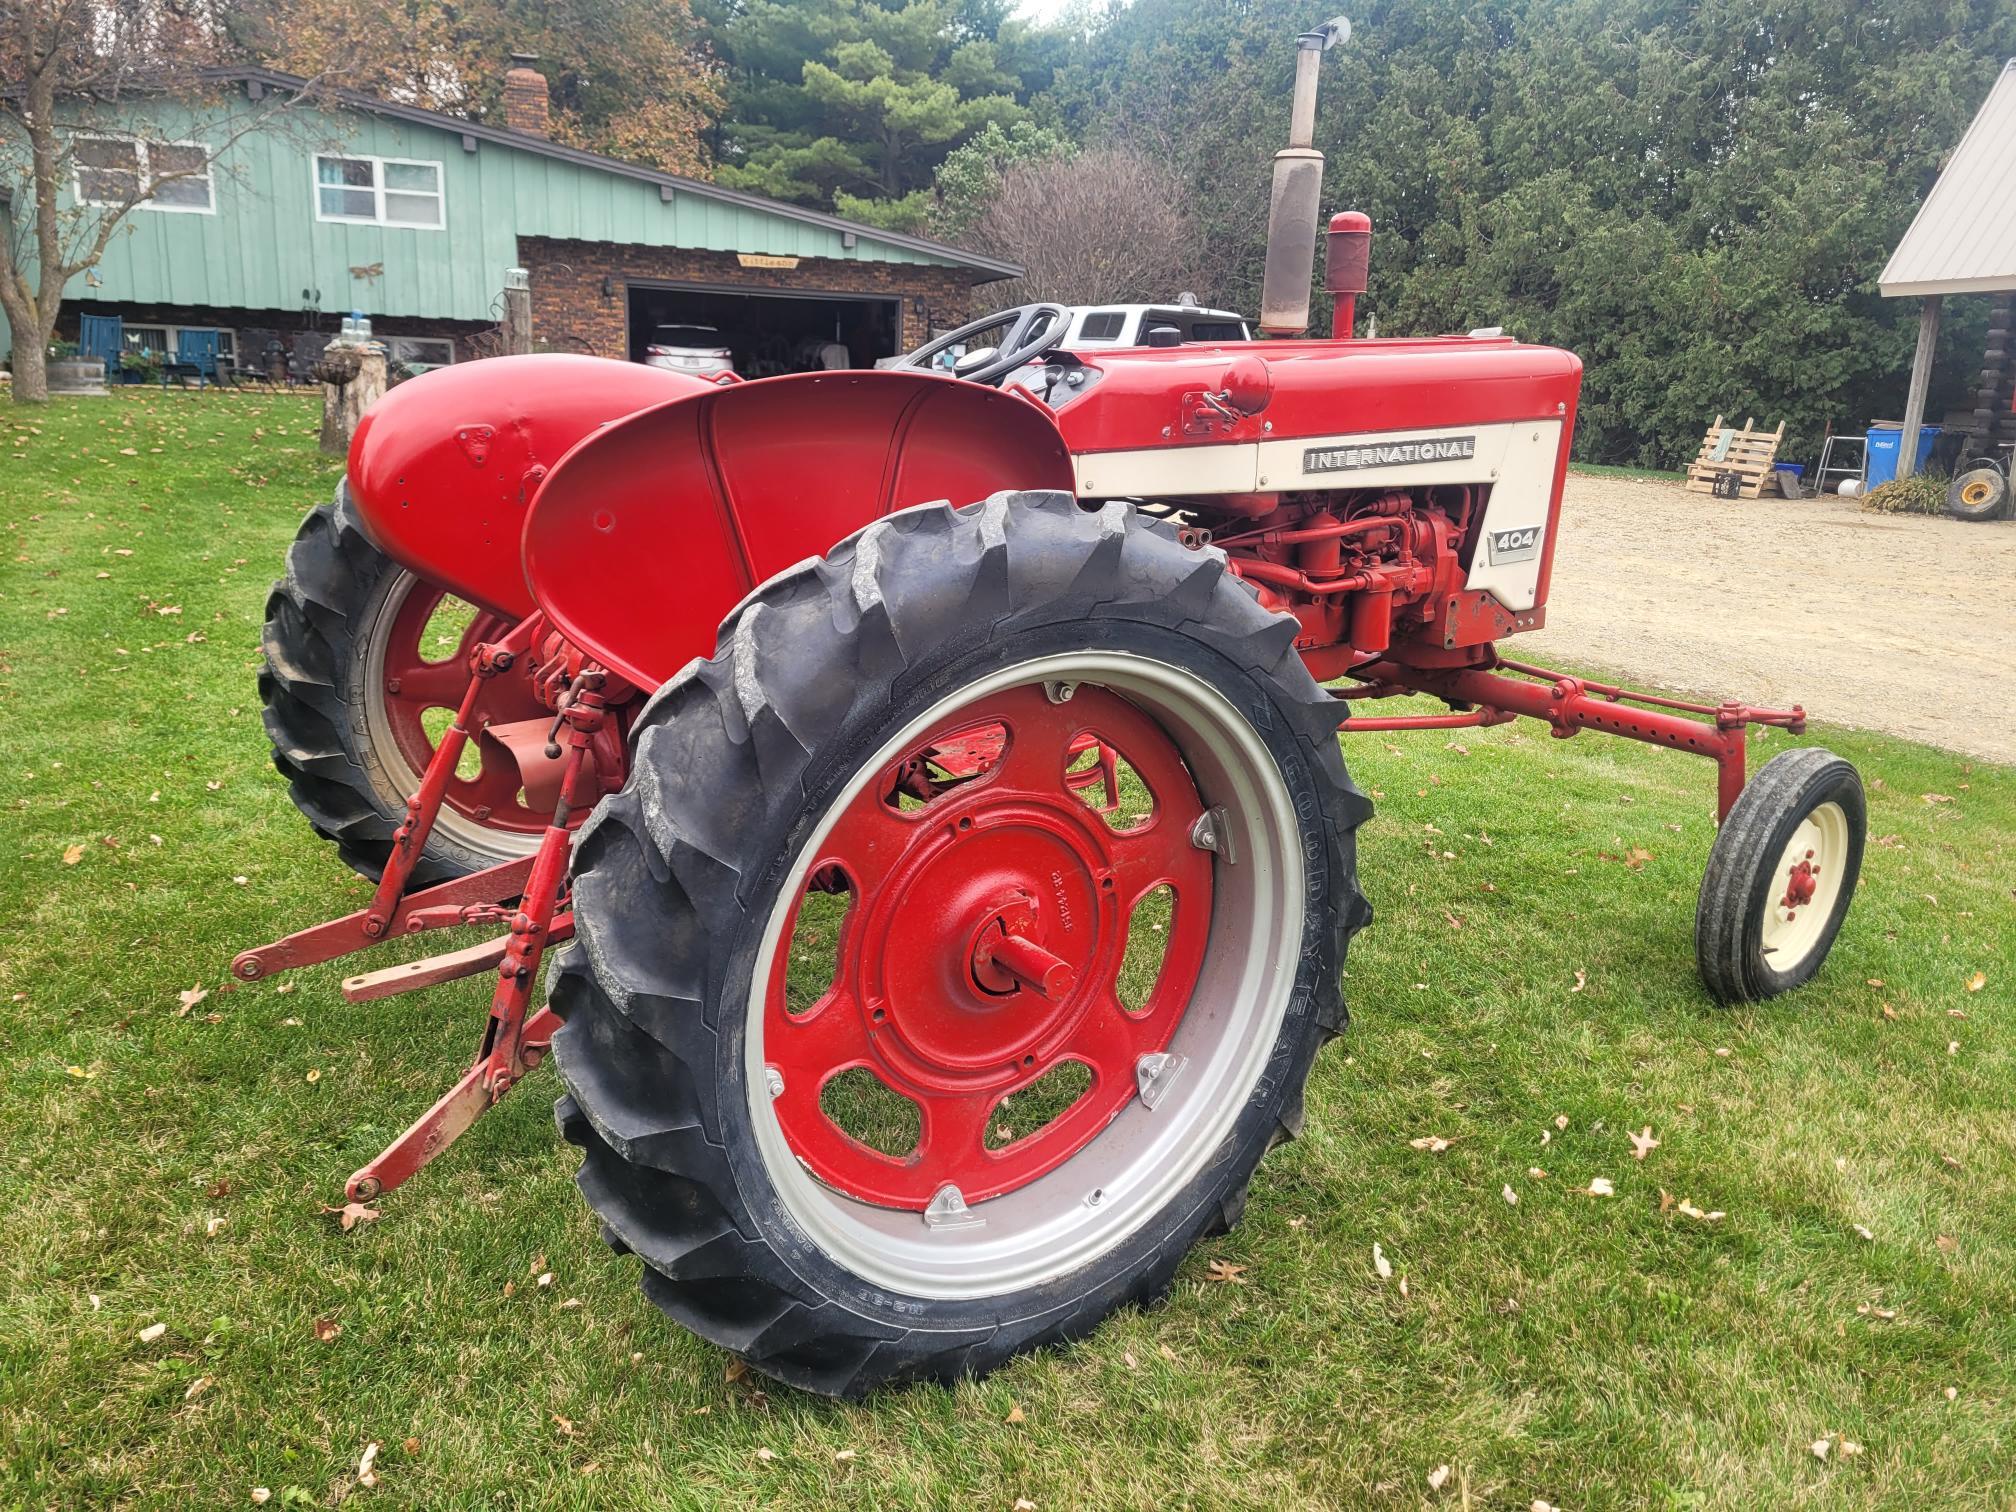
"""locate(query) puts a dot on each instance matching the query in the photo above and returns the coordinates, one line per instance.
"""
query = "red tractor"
(831, 773)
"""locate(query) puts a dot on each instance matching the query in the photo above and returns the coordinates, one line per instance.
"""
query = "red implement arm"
(1570, 705)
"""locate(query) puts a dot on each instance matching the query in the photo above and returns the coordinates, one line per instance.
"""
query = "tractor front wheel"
(892, 1049)
(1780, 876)
(365, 662)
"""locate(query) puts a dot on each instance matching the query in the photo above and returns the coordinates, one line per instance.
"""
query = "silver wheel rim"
(1792, 931)
(1085, 1208)
(382, 749)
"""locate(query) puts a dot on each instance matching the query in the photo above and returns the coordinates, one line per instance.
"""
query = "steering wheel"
(1032, 328)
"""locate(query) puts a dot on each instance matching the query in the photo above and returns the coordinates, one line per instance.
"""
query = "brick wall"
(571, 313)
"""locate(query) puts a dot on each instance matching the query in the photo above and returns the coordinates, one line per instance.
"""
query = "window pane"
(425, 177)
(173, 157)
(145, 338)
(412, 210)
(350, 204)
(104, 152)
(185, 191)
(353, 171)
(106, 186)
(226, 345)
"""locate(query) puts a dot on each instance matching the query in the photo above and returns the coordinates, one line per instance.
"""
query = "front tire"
(1781, 876)
(960, 657)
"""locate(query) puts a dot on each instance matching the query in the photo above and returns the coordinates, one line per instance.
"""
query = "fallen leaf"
(1561, 1122)
(366, 1476)
(1947, 1243)
(1225, 1270)
(1434, 1144)
(766, 1455)
(261, 1496)
(73, 854)
(1952, 1161)
(1023, 1504)
(1636, 857)
(1868, 1311)
(1822, 1448)
(545, 1278)
(1642, 1144)
(1952, 1393)
(211, 1225)
(326, 1329)
(1599, 1186)
(564, 1424)
(314, 1075)
(1438, 1477)
(844, 1455)
(152, 1332)
(1381, 1264)
(1535, 1173)
(353, 1213)
(197, 1387)
(1977, 981)
(1015, 1413)
(570, 1303)
(1864, 1232)
(190, 999)
(1849, 1447)
(1508, 1194)
(1581, 981)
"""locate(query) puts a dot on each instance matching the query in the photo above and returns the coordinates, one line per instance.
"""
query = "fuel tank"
(444, 467)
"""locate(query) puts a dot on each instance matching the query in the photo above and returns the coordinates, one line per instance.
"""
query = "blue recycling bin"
(1886, 445)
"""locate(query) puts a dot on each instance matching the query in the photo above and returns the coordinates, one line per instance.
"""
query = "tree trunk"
(31, 368)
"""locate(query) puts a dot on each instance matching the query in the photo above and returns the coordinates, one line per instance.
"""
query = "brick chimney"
(527, 107)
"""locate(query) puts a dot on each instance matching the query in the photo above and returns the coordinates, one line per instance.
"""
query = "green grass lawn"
(1524, 994)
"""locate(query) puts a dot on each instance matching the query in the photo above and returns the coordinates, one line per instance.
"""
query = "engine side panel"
(648, 533)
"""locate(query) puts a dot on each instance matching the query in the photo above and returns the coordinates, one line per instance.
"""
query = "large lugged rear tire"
(326, 640)
(997, 639)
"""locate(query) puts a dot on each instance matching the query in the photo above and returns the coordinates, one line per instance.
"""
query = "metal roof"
(1963, 240)
(266, 78)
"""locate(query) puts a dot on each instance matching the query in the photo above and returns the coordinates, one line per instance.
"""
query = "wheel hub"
(984, 946)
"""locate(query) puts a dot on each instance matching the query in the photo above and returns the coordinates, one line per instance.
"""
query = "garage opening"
(762, 334)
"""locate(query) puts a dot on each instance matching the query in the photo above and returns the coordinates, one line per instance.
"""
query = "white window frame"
(400, 353)
(140, 146)
(378, 191)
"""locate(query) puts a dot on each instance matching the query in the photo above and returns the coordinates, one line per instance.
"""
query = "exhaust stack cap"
(1297, 195)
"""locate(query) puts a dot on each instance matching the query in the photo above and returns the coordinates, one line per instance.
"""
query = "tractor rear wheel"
(359, 655)
(891, 1052)
(1780, 876)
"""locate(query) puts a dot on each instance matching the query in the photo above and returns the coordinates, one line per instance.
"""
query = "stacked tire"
(1981, 488)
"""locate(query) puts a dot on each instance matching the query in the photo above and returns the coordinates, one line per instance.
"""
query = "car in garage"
(689, 349)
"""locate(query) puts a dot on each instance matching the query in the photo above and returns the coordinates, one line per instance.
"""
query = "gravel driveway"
(1900, 623)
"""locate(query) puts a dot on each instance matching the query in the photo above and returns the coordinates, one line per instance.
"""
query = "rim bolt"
(774, 1080)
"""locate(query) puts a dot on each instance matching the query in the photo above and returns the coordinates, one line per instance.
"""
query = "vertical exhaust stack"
(1298, 193)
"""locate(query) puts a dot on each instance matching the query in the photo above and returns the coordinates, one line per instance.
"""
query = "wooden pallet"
(1751, 455)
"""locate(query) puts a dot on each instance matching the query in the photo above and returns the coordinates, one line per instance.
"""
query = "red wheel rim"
(410, 684)
(931, 994)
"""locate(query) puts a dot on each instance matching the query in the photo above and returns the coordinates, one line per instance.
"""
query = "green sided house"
(268, 236)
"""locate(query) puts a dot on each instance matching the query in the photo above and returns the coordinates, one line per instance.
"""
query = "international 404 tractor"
(935, 779)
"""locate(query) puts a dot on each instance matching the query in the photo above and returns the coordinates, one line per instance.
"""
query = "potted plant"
(72, 374)
(141, 366)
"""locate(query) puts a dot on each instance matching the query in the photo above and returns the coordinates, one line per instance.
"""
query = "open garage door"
(764, 333)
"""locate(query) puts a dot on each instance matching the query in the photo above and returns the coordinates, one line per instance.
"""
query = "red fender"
(442, 467)
(647, 533)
